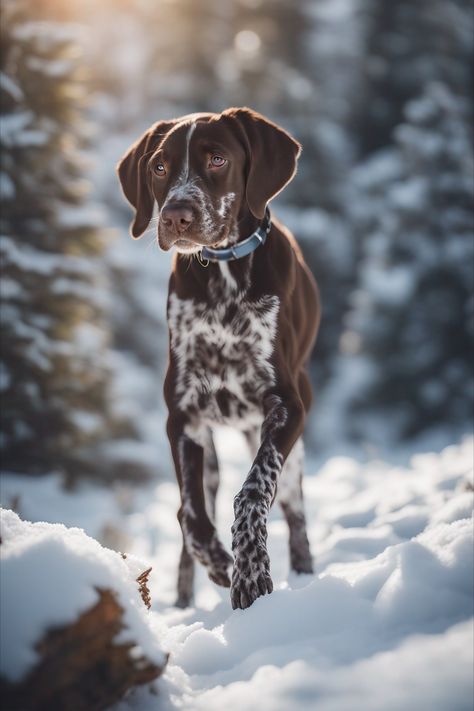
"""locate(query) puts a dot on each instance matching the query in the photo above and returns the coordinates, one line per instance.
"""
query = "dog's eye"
(160, 169)
(217, 162)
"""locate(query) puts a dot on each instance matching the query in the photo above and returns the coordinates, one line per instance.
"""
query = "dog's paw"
(301, 560)
(183, 601)
(216, 560)
(250, 579)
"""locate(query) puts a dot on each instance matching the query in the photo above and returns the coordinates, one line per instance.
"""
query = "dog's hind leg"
(211, 477)
(185, 578)
(253, 441)
(290, 498)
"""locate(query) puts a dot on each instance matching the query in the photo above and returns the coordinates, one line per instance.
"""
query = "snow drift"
(50, 576)
(386, 622)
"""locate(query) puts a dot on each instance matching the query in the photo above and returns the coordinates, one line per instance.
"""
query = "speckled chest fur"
(223, 349)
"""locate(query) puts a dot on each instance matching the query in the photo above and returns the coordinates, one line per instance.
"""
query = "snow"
(389, 680)
(8, 85)
(386, 621)
(55, 68)
(392, 285)
(48, 34)
(42, 498)
(49, 576)
(392, 597)
(410, 194)
(7, 187)
(13, 125)
(29, 259)
(15, 131)
(80, 216)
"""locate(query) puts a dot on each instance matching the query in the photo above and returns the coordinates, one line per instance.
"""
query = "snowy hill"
(385, 623)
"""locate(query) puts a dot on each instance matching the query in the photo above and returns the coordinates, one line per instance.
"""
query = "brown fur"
(260, 160)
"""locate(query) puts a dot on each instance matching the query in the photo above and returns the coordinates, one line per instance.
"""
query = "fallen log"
(81, 667)
(76, 641)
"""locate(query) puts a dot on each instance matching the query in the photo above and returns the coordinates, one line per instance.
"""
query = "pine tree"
(413, 316)
(407, 45)
(55, 409)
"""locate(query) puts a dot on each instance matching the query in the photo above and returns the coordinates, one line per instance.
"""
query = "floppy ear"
(272, 154)
(134, 177)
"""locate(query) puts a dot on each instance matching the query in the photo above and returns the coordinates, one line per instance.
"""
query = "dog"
(243, 314)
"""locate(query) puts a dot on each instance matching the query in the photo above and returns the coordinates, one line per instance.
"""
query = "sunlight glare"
(247, 42)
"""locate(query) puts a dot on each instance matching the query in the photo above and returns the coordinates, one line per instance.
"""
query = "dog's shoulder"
(280, 266)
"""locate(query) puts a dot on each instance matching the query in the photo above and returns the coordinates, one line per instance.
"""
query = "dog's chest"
(223, 356)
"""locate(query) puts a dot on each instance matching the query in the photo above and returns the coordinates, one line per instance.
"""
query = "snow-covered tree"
(54, 376)
(412, 318)
(407, 45)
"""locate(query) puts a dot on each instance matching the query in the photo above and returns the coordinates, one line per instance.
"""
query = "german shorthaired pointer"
(243, 313)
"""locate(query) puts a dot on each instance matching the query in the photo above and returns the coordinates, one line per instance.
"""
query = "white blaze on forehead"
(185, 171)
(183, 187)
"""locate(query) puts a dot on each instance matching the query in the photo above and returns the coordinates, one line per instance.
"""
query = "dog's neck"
(221, 280)
(244, 226)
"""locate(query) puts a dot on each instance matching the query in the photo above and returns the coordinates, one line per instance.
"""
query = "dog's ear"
(271, 153)
(134, 176)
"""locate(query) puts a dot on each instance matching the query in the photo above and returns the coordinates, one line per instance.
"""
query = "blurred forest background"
(379, 92)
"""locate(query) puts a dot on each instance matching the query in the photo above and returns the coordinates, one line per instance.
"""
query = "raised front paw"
(250, 578)
(215, 558)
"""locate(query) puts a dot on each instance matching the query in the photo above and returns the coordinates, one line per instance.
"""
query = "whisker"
(149, 229)
(152, 242)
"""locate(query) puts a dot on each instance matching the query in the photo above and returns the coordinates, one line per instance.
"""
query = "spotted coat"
(240, 333)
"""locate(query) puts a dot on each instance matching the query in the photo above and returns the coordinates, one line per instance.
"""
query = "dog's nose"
(177, 216)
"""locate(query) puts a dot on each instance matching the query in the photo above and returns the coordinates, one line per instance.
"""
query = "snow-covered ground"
(386, 622)
(50, 575)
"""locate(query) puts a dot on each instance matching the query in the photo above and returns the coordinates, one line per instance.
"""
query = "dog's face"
(205, 171)
(197, 178)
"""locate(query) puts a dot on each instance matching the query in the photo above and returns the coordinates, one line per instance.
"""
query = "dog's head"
(204, 171)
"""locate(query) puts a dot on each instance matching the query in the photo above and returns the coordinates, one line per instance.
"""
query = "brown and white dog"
(241, 332)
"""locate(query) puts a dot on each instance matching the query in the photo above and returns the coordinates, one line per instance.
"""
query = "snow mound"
(50, 575)
(421, 586)
(426, 673)
(386, 621)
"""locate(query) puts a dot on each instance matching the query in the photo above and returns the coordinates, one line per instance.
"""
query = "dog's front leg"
(282, 425)
(199, 533)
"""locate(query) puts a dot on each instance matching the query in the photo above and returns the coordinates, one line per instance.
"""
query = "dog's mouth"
(186, 246)
(192, 245)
